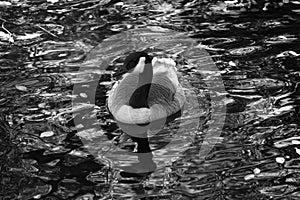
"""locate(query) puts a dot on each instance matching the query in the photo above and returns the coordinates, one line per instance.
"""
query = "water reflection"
(255, 47)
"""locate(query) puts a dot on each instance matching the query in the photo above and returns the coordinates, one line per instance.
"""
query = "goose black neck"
(139, 98)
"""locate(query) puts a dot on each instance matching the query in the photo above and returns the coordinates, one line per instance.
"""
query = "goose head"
(131, 62)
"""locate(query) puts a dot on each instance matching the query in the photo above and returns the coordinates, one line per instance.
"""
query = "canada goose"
(147, 96)
(148, 91)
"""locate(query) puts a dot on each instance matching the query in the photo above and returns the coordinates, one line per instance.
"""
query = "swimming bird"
(148, 91)
(147, 95)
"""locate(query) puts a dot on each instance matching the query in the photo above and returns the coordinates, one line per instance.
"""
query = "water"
(49, 48)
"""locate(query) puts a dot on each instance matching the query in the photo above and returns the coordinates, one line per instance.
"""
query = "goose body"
(149, 91)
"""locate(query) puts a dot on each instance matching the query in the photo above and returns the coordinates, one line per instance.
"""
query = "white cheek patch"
(140, 66)
(167, 67)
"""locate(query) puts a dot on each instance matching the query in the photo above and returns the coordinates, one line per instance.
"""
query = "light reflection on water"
(256, 49)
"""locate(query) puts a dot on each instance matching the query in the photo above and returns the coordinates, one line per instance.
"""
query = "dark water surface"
(53, 148)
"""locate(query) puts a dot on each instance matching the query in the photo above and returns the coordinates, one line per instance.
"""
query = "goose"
(149, 91)
(146, 97)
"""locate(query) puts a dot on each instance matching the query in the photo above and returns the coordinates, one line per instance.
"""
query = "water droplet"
(84, 95)
(249, 177)
(280, 160)
(47, 134)
(21, 88)
(256, 171)
(231, 63)
(295, 142)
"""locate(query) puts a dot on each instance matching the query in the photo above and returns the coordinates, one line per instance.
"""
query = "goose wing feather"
(165, 98)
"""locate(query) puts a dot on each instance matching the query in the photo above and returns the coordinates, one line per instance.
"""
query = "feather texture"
(165, 96)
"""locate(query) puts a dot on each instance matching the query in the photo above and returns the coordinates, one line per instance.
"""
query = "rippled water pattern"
(49, 47)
